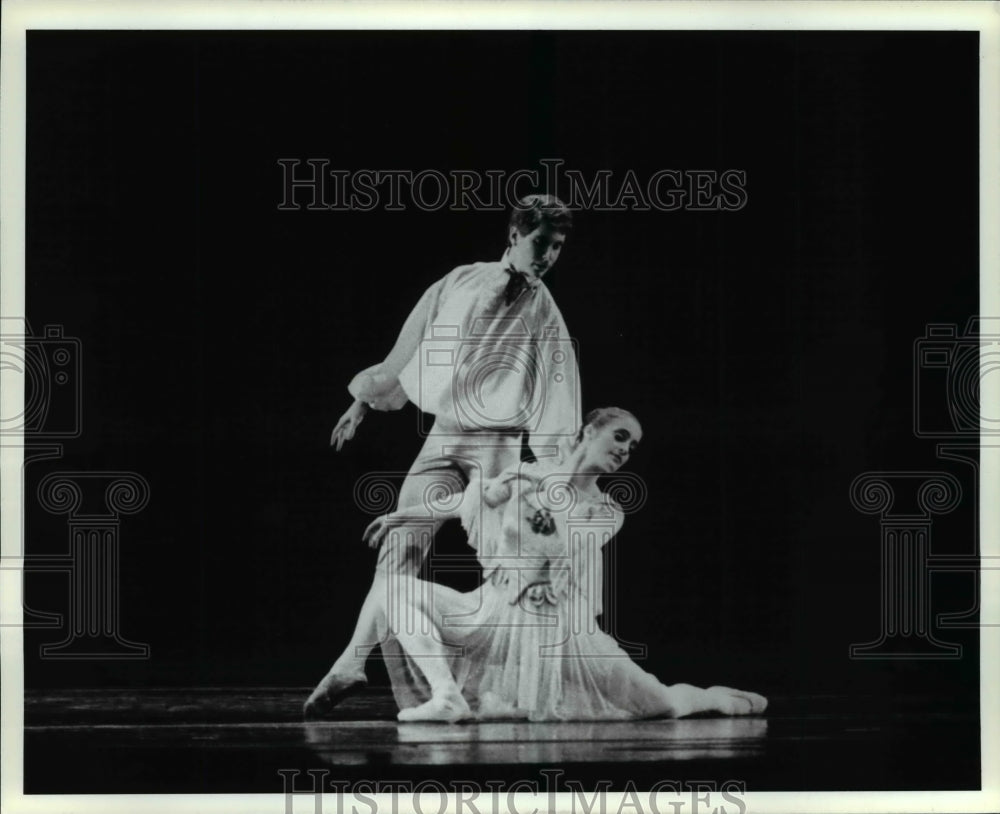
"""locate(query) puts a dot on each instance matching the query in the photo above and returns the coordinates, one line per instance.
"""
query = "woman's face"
(611, 445)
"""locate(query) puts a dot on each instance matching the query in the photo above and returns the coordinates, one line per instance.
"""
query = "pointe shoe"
(333, 689)
(739, 702)
(449, 708)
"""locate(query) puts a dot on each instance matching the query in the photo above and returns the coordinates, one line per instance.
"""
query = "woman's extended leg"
(685, 699)
(628, 686)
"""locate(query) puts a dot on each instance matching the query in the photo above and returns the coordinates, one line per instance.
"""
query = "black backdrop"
(767, 351)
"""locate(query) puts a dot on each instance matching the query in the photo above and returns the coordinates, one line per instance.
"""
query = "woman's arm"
(381, 526)
(495, 492)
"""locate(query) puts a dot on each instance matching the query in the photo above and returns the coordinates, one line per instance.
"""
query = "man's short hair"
(533, 211)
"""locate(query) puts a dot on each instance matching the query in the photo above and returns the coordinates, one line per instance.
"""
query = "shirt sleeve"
(378, 389)
(379, 385)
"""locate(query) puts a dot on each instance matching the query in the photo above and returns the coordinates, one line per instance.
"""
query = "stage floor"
(252, 740)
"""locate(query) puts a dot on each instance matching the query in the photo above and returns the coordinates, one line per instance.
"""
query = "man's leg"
(402, 553)
(441, 470)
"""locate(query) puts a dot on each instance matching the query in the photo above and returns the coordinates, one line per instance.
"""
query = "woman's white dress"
(526, 643)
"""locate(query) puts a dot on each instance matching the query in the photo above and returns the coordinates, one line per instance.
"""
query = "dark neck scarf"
(517, 283)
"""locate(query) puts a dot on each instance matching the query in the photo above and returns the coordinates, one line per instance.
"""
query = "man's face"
(536, 252)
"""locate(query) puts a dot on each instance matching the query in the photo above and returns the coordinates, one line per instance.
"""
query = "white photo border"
(19, 16)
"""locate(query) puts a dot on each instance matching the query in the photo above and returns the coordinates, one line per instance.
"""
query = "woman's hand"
(496, 491)
(404, 515)
(348, 424)
(378, 528)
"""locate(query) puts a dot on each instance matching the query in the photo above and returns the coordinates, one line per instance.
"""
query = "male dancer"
(487, 353)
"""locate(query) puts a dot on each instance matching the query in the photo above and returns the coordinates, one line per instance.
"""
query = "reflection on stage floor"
(239, 739)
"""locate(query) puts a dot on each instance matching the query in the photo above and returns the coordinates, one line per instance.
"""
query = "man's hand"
(348, 424)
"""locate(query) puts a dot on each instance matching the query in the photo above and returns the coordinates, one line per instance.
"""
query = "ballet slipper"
(333, 689)
(738, 702)
(448, 707)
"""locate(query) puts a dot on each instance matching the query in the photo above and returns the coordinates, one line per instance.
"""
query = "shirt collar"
(507, 266)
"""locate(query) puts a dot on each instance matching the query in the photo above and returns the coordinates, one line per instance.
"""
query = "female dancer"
(526, 644)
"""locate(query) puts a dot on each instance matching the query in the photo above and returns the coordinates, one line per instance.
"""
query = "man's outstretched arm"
(378, 387)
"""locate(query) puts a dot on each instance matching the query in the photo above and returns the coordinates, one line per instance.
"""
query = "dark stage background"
(767, 351)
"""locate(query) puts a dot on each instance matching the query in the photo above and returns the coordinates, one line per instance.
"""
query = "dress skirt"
(522, 653)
